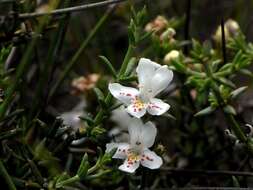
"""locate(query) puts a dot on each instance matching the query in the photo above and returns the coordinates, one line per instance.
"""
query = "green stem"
(94, 168)
(68, 181)
(54, 49)
(22, 67)
(230, 118)
(6, 176)
(239, 133)
(74, 59)
(90, 177)
(99, 117)
(126, 60)
(236, 128)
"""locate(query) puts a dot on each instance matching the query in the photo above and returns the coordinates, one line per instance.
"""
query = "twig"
(69, 9)
(74, 59)
(6, 176)
(206, 172)
(10, 58)
(223, 39)
(187, 25)
(206, 188)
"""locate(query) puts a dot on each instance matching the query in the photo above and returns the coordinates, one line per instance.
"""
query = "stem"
(204, 172)
(108, 99)
(94, 168)
(6, 176)
(22, 67)
(126, 60)
(97, 175)
(69, 9)
(236, 128)
(223, 39)
(230, 118)
(187, 25)
(239, 133)
(74, 59)
(54, 50)
(68, 181)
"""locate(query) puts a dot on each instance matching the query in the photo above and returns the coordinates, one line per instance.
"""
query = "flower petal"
(148, 134)
(129, 167)
(131, 109)
(123, 93)
(151, 160)
(135, 130)
(121, 152)
(160, 80)
(145, 71)
(157, 107)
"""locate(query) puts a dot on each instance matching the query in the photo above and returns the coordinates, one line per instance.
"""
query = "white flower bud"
(168, 34)
(232, 27)
(174, 54)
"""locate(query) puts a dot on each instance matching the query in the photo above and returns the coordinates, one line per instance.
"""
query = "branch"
(69, 9)
(6, 177)
(205, 172)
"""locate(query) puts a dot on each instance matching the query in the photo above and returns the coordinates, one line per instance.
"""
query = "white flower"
(136, 152)
(153, 78)
(122, 119)
(71, 118)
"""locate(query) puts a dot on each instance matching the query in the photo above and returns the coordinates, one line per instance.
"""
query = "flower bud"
(174, 54)
(157, 25)
(83, 84)
(168, 34)
(231, 29)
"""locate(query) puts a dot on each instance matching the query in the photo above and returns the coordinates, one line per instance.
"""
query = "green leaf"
(109, 66)
(229, 109)
(131, 32)
(180, 67)
(238, 91)
(107, 157)
(169, 116)
(130, 66)
(205, 111)
(226, 67)
(246, 72)
(100, 95)
(235, 182)
(128, 79)
(83, 168)
(88, 119)
(226, 82)
(101, 98)
(97, 131)
(141, 16)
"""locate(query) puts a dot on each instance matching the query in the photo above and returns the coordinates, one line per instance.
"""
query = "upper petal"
(145, 71)
(121, 152)
(151, 160)
(157, 107)
(148, 134)
(129, 167)
(160, 80)
(135, 129)
(123, 93)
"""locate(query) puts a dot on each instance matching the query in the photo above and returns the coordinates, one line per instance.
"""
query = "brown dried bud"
(83, 84)
(158, 25)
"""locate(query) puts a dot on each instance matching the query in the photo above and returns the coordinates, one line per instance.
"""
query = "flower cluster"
(153, 79)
